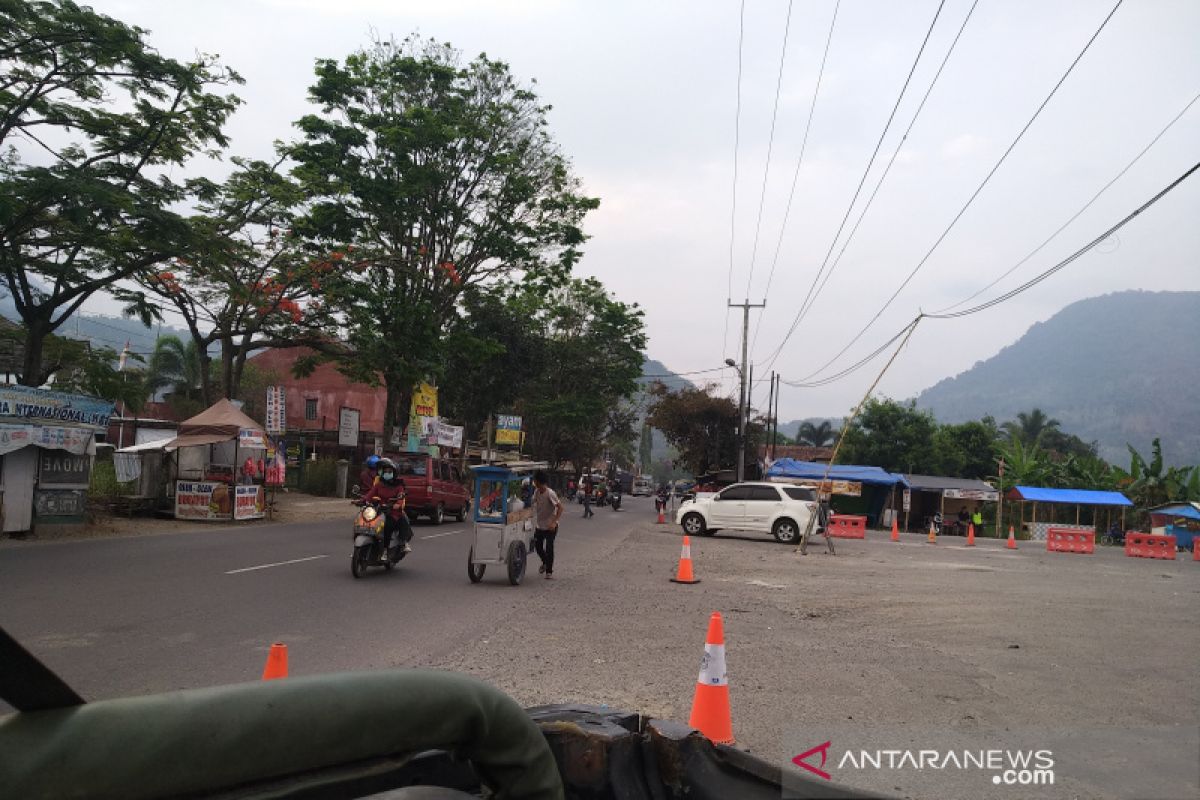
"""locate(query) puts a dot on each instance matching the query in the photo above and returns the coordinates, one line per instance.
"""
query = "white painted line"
(447, 533)
(276, 564)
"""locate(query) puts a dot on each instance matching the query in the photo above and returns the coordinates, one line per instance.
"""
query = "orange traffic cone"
(276, 662)
(971, 534)
(895, 531)
(662, 518)
(1012, 540)
(684, 575)
(710, 706)
(932, 533)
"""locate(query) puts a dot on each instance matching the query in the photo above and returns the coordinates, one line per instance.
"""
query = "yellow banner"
(424, 401)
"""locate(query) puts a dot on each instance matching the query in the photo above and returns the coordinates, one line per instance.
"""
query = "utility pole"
(743, 402)
(775, 416)
(770, 443)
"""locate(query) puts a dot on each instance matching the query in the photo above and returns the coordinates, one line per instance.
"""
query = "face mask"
(387, 476)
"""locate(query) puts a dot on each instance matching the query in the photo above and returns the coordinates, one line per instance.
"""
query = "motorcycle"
(615, 501)
(368, 540)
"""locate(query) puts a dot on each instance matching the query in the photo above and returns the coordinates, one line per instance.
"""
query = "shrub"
(104, 483)
(320, 477)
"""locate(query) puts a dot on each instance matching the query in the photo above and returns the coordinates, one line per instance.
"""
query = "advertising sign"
(60, 502)
(202, 500)
(970, 494)
(908, 499)
(276, 410)
(449, 435)
(251, 439)
(276, 463)
(61, 468)
(248, 502)
(26, 402)
(508, 429)
(348, 427)
(424, 404)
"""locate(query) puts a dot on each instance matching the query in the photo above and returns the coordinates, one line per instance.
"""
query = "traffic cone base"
(662, 518)
(895, 530)
(710, 706)
(971, 535)
(1012, 540)
(277, 662)
(684, 574)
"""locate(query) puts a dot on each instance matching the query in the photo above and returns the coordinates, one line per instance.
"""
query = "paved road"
(147, 614)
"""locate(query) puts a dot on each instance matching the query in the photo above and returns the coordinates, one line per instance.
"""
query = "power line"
(970, 200)
(762, 197)
(1080, 212)
(870, 163)
(799, 161)
(737, 132)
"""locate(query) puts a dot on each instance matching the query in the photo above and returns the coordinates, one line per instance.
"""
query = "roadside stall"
(1060, 502)
(219, 465)
(47, 442)
(503, 524)
(854, 489)
(949, 499)
(1181, 520)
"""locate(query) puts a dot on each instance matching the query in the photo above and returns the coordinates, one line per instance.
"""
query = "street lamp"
(741, 427)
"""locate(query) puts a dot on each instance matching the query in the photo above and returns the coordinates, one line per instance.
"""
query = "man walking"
(547, 509)
(587, 500)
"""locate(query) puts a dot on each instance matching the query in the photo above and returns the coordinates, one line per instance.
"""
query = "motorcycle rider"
(389, 490)
(370, 470)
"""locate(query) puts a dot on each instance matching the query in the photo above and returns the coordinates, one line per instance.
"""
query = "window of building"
(310, 408)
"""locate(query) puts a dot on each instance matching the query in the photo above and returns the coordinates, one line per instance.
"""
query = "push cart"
(503, 530)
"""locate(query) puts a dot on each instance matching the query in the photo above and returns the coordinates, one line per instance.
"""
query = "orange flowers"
(451, 273)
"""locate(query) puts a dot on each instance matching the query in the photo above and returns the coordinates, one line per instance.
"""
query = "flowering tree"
(250, 285)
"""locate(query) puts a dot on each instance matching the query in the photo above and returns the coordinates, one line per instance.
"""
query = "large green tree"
(92, 123)
(894, 436)
(966, 450)
(442, 175)
(1030, 427)
(819, 435)
(699, 424)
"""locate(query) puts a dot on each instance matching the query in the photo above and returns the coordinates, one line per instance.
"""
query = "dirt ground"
(914, 644)
(289, 507)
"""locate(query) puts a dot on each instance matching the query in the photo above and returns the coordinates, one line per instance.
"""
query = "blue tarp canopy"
(1075, 497)
(815, 471)
(1185, 510)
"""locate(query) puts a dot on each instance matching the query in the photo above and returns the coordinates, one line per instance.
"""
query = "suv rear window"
(411, 465)
(800, 493)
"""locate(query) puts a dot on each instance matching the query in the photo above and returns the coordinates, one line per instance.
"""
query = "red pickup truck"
(433, 487)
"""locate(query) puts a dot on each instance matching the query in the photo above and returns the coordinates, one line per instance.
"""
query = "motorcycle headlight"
(370, 513)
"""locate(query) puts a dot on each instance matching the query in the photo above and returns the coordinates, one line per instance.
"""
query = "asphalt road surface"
(139, 615)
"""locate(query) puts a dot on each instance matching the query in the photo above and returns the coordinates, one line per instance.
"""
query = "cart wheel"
(474, 571)
(516, 563)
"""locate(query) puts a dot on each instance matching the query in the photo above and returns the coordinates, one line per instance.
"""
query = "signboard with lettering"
(248, 502)
(203, 500)
(908, 499)
(61, 468)
(60, 502)
(508, 429)
(26, 402)
(251, 439)
(971, 494)
(276, 410)
(449, 435)
(348, 427)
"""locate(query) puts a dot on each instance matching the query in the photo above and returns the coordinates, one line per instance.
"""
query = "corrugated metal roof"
(936, 483)
(1185, 510)
(811, 470)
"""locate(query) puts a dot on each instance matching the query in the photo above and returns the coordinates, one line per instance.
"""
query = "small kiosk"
(219, 465)
(503, 526)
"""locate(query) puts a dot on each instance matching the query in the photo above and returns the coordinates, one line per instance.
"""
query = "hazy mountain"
(105, 331)
(1120, 368)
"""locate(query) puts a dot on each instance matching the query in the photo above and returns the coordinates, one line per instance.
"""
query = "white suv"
(780, 509)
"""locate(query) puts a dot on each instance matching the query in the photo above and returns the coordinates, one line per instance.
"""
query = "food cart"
(503, 531)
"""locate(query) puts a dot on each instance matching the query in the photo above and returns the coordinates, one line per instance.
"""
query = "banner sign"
(449, 435)
(276, 410)
(908, 499)
(970, 494)
(508, 429)
(276, 463)
(348, 427)
(27, 402)
(202, 500)
(424, 404)
(61, 468)
(60, 502)
(251, 439)
(248, 503)
(73, 440)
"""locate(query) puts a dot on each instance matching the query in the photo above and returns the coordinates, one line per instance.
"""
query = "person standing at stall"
(547, 510)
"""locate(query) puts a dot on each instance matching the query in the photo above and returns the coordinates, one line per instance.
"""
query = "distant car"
(643, 486)
(781, 510)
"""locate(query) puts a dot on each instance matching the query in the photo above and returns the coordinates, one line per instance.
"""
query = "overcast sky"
(645, 99)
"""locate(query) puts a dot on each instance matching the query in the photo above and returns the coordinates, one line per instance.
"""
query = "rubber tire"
(438, 515)
(474, 571)
(783, 524)
(461, 514)
(516, 562)
(358, 561)
(693, 524)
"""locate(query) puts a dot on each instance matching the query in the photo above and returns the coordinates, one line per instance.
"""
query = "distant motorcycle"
(368, 540)
(615, 501)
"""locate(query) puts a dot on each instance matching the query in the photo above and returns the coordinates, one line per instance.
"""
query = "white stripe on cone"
(687, 552)
(712, 666)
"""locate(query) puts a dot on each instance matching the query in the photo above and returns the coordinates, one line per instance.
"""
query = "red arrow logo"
(823, 749)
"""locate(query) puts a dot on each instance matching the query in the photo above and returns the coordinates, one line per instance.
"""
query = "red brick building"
(314, 402)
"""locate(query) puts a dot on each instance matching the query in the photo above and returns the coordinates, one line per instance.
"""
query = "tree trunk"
(227, 356)
(36, 331)
(396, 409)
(206, 387)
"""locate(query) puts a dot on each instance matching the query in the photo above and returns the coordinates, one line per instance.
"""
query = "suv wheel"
(693, 525)
(786, 531)
(439, 514)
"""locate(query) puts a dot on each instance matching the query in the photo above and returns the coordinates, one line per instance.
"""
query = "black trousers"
(399, 527)
(543, 545)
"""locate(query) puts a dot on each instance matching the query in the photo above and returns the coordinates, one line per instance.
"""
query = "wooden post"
(1122, 518)
(942, 509)
(1076, 514)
